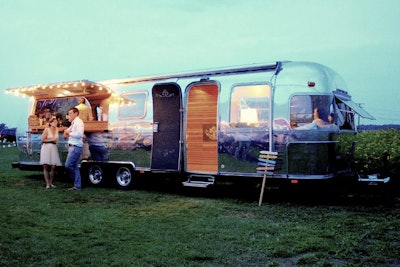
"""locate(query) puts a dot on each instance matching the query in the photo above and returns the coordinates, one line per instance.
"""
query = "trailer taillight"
(311, 84)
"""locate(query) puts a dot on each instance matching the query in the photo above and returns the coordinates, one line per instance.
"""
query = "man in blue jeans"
(75, 146)
(97, 148)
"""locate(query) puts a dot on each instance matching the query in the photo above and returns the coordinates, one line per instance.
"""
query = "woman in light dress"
(49, 156)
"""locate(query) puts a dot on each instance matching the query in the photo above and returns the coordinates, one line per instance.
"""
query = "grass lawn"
(158, 227)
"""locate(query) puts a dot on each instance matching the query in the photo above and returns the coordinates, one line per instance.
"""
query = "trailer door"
(201, 127)
(167, 118)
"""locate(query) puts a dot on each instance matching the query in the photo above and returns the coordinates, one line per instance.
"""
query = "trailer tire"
(124, 177)
(96, 175)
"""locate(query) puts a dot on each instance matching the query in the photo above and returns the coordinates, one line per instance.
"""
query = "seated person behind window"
(317, 123)
(317, 119)
(332, 124)
(85, 112)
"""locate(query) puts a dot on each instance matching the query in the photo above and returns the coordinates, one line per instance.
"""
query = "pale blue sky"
(45, 41)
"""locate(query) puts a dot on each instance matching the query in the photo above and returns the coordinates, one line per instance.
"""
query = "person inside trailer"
(42, 118)
(331, 119)
(317, 118)
(319, 123)
(47, 113)
(85, 112)
(61, 122)
(330, 125)
(102, 111)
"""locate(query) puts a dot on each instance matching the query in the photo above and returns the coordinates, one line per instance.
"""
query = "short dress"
(49, 153)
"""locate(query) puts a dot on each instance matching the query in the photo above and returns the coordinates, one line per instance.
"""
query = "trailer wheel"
(96, 175)
(124, 177)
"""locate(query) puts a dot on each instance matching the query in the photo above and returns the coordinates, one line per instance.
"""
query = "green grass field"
(158, 227)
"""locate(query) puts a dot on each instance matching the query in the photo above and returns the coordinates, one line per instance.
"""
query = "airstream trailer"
(205, 126)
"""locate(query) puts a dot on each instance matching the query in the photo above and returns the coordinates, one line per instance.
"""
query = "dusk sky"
(44, 41)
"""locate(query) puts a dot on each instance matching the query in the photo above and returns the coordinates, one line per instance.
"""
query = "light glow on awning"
(61, 89)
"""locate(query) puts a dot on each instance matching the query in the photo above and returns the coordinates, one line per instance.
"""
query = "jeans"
(72, 165)
(98, 153)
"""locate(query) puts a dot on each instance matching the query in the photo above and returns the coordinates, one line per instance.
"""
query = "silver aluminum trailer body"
(209, 125)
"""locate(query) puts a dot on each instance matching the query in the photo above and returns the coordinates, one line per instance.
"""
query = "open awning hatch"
(346, 99)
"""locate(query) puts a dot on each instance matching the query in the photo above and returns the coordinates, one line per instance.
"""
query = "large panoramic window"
(250, 105)
(132, 106)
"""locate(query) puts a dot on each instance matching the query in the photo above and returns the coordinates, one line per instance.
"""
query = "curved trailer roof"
(85, 87)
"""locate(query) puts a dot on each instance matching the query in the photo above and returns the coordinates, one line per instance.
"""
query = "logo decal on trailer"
(165, 94)
(209, 132)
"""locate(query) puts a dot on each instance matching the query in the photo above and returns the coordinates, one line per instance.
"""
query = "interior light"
(249, 115)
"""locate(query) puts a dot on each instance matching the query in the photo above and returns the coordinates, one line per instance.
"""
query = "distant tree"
(363, 128)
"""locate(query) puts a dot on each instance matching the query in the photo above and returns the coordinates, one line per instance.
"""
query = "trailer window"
(58, 107)
(132, 106)
(302, 108)
(250, 105)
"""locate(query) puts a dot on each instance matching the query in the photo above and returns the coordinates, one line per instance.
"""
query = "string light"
(72, 88)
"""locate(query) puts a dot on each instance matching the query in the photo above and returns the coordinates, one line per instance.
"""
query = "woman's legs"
(51, 178)
(46, 175)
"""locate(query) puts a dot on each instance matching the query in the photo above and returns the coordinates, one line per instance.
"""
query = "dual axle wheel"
(99, 174)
